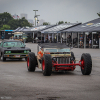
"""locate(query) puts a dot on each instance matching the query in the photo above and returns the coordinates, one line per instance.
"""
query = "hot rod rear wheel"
(72, 57)
(31, 61)
(47, 65)
(86, 64)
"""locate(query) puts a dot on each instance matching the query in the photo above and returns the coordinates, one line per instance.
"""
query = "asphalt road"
(16, 83)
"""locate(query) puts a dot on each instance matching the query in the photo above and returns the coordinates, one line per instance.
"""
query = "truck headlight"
(7, 51)
(26, 51)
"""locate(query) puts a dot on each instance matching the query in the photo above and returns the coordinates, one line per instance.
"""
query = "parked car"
(58, 57)
(13, 49)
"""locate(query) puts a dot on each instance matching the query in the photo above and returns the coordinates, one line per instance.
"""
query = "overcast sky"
(54, 11)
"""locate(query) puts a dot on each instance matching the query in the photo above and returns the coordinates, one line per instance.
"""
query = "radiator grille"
(63, 60)
(17, 51)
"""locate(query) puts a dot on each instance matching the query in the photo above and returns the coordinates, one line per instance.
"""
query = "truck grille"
(17, 51)
(63, 60)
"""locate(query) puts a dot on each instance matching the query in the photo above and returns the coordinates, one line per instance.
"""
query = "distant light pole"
(35, 16)
(37, 19)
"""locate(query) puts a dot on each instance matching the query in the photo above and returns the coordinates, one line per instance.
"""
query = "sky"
(53, 11)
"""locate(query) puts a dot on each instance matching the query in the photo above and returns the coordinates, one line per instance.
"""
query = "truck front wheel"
(47, 65)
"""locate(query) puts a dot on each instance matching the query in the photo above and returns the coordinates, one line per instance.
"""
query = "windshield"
(20, 36)
(13, 44)
(58, 50)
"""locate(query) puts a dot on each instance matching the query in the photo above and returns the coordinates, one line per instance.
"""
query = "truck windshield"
(13, 44)
(58, 50)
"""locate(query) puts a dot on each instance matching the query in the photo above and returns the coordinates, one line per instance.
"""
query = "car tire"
(47, 65)
(31, 61)
(26, 59)
(3, 58)
(87, 64)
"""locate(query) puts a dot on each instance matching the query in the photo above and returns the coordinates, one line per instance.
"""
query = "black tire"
(87, 68)
(72, 57)
(26, 59)
(3, 58)
(31, 61)
(47, 65)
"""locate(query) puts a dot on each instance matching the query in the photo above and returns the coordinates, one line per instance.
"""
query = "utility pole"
(35, 16)
(37, 19)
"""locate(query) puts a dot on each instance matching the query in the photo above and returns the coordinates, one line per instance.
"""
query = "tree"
(98, 14)
(14, 23)
(46, 23)
(5, 27)
(23, 22)
(66, 22)
(60, 22)
(5, 18)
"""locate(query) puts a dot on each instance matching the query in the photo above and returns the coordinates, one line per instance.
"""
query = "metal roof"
(38, 28)
(20, 30)
(91, 26)
(27, 30)
(16, 29)
(59, 28)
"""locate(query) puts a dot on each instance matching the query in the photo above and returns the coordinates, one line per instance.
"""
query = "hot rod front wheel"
(86, 64)
(47, 65)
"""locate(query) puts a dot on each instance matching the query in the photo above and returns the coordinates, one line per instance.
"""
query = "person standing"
(90, 42)
(81, 40)
(40, 55)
